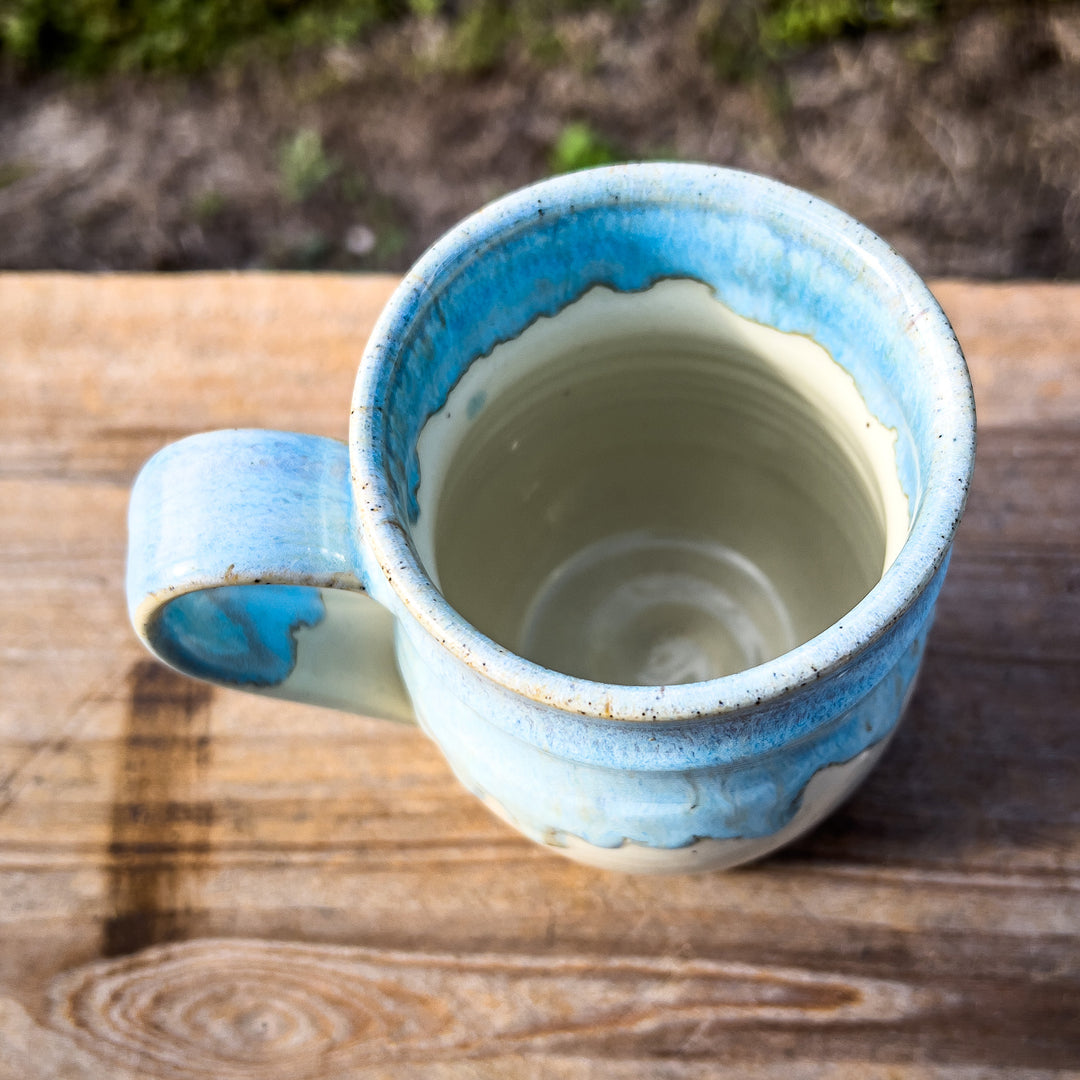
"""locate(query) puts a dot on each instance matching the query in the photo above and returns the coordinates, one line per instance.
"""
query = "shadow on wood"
(159, 841)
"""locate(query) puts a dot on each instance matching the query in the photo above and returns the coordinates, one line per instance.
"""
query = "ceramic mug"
(652, 478)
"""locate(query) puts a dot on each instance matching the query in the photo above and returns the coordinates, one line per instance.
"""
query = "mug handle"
(243, 570)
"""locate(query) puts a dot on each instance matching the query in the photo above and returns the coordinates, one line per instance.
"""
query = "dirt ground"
(961, 146)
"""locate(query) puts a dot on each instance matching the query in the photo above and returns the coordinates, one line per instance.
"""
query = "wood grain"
(198, 884)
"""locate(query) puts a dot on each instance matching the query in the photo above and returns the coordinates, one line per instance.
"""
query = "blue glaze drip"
(239, 634)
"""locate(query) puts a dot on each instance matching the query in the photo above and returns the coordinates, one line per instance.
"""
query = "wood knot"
(236, 1009)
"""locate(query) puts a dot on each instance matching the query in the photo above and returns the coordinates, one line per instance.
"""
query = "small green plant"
(579, 147)
(303, 165)
(539, 37)
(11, 172)
(354, 187)
(307, 249)
(478, 37)
(206, 206)
(390, 243)
(728, 35)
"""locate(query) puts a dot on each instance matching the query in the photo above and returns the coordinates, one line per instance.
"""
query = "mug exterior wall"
(668, 797)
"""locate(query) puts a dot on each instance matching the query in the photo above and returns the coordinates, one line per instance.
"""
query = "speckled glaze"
(255, 556)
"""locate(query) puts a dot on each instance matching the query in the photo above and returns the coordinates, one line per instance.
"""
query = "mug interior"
(632, 452)
(647, 489)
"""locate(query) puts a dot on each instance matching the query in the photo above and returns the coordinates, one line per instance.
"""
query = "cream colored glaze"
(329, 669)
(710, 490)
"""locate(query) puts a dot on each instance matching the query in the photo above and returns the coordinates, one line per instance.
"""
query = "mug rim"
(925, 549)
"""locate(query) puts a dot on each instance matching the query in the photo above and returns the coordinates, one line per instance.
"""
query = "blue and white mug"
(652, 479)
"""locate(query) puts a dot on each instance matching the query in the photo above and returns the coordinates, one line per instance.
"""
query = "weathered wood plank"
(292, 892)
(100, 372)
(1022, 342)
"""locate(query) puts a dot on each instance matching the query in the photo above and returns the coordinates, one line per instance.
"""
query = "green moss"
(94, 36)
(792, 24)
(744, 39)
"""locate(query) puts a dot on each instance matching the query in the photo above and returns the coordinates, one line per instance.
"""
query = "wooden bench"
(196, 883)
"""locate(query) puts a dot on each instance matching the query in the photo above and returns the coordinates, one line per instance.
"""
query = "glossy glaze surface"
(597, 769)
(773, 255)
(647, 489)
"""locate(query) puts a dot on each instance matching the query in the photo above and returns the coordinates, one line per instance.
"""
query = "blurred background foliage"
(348, 134)
(93, 37)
